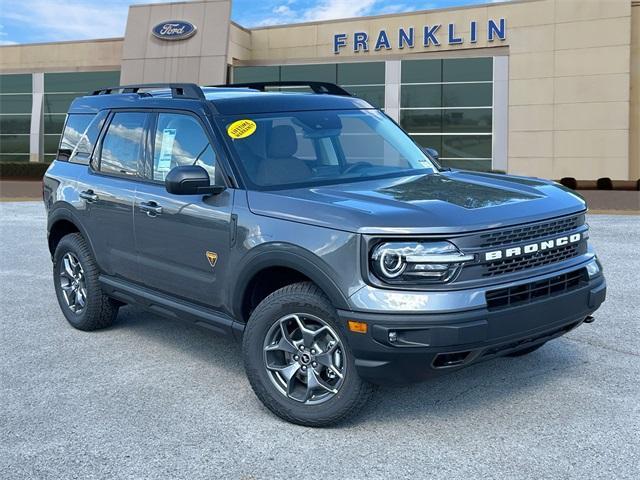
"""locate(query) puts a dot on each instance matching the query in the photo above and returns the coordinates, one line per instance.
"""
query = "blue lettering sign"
(339, 41)
(405, 38)
(499, 30)
(360, 42)
(383, 41)
(174, 30)
(453, 40)
(474, 32)
(430, 35)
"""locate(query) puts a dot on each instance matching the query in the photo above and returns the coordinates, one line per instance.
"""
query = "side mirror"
(190, 180)
(432, 152)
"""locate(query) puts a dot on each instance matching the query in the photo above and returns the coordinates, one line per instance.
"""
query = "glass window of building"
(447, 104)
(60, 90)
(362, 79)
(15, 117)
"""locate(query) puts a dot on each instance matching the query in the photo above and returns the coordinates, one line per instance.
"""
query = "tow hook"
(589, 319)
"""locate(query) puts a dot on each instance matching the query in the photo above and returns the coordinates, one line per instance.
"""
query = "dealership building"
(548, 88)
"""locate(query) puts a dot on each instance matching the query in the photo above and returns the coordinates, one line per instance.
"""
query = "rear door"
(183, 241)
(108, 188)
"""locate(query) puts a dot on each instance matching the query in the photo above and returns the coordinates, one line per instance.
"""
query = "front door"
(183, 241)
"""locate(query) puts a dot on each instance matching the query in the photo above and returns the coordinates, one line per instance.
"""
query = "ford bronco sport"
(312, 228)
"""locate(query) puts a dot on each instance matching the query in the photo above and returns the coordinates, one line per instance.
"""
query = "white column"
(36, 138)
(500, 113)
(392, 81)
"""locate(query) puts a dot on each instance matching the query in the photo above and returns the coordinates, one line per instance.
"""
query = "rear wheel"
(297, 361)
(75, 276)
(525, 351)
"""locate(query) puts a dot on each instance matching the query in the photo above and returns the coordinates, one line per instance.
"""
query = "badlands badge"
(212, 257)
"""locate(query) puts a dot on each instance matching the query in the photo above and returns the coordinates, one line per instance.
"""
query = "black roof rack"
(178, 90)
(316, 87)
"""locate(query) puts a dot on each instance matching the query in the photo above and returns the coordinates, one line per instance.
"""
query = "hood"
(445, 202)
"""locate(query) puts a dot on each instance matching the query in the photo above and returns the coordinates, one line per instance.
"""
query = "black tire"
(525, 351)
(99, 311)
(300, 298)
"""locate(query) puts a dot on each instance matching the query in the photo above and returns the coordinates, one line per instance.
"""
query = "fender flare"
(67, 213)
(288, 256)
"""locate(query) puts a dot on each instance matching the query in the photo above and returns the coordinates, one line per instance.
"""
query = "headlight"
(416, 262)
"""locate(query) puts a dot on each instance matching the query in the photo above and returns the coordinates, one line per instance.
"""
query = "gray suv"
(310, 227)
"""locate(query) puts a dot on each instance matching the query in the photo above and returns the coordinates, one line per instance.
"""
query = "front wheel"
(297, 361)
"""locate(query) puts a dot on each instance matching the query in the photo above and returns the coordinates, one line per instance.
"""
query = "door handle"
(151, 208)
(88, 195)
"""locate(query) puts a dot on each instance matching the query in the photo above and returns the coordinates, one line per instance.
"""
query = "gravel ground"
(151, 398)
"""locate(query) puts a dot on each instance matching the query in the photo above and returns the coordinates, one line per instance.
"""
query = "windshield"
(305, 149)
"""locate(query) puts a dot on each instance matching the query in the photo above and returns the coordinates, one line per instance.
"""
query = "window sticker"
(164, 162)
(241, 129)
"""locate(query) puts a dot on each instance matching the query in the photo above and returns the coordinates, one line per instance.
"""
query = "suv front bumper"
(408, 347)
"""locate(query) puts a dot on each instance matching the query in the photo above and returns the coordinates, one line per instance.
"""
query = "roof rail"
(316, 87)
(178, 90)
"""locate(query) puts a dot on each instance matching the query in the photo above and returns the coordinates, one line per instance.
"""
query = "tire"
(338, 391)
(525, 351)
(99, 311)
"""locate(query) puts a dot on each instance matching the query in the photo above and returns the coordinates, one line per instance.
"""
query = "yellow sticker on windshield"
(241, 129)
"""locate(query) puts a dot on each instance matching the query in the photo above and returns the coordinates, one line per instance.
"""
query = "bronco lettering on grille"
(532, 247)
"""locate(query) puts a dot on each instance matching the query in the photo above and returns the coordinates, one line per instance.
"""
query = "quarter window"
(122, 147)
(181, 140)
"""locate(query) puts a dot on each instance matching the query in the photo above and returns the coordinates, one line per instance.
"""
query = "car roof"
(225, 101)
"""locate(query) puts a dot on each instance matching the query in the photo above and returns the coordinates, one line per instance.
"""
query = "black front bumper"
(425, 345)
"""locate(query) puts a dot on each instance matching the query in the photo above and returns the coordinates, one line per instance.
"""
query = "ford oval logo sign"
(174, 30)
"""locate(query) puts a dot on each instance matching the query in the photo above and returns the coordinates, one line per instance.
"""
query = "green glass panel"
(14, 157)
(478, 165)
(15, 103)
(421, 121)
(421, 71)
(49, 157)
(466, 146)
(421, 96)
(431, 141)
(16, 83)
(467, 69)
(318, 73)
(51, 143)
(467, 95)
(15, 124)
(366, 73)
(80, 82)
(54, 123)
(477, 120)
(256, 74)
(373, 95)
(14, 144)
(58, 102)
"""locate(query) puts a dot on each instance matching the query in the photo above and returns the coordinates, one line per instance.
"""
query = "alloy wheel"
(72, 283)
(304, 358)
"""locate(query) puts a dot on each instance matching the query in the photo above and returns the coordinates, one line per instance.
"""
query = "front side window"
(303, 149)
(181, 140)
(123, 145)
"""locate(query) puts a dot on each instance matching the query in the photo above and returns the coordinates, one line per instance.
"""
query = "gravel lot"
(151, 398)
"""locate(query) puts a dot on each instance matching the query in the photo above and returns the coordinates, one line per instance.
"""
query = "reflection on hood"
(462, 193)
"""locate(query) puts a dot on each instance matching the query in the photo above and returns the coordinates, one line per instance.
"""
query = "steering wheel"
(356, 166)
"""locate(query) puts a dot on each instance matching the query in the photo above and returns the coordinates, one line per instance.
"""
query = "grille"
(528, 232)
(538, 259)
(530, 292)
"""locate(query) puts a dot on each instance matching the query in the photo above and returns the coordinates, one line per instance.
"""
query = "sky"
(32, 21)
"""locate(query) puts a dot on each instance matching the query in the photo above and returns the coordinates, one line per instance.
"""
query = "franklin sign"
(174, 30)
(426, 37)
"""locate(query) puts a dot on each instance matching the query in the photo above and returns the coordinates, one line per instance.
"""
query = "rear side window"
(74, 128)
(122, 150)
(83, 150)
